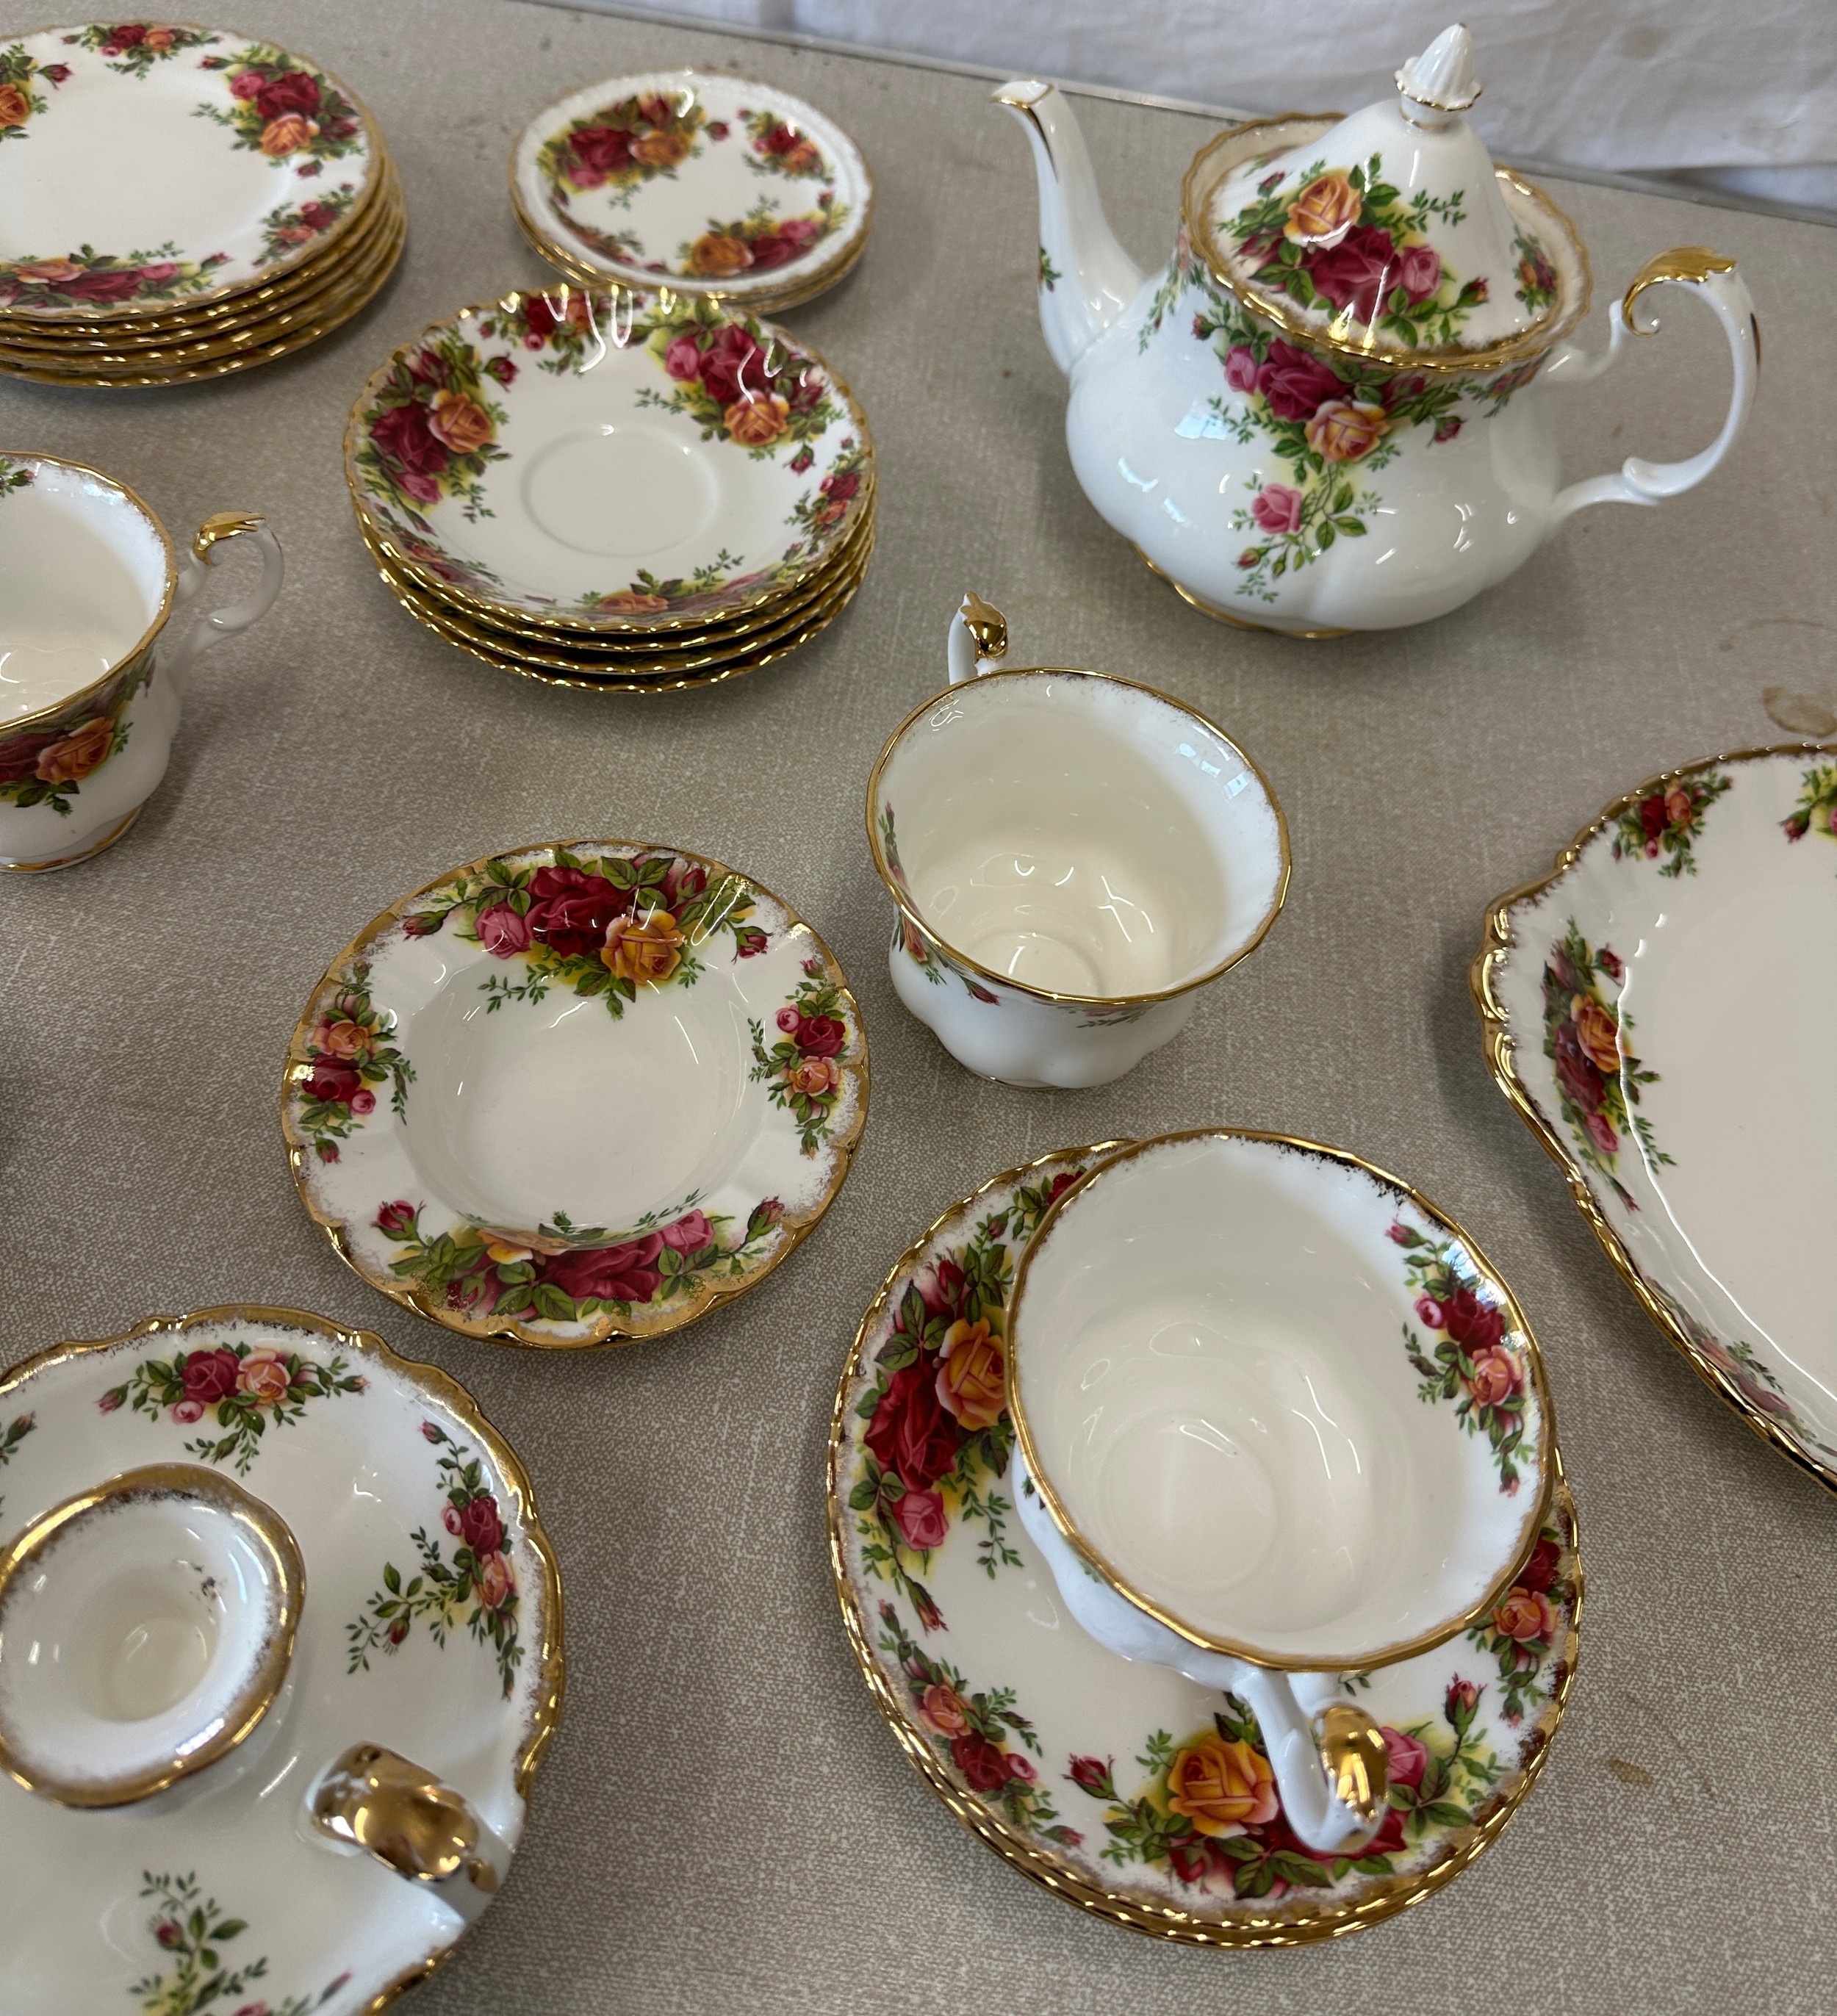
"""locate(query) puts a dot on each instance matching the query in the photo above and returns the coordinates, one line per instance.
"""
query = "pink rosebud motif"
(1601, 1132)
(429, 1431)
(169, 1934)
(1611, 963)
(188, 1411)
(1092, 1774)
(1430, 1312)
(1400, 1235)
(1249, 557)
(690, 1233)
(1277, 507)
(921, 1517)
(1241, 368)
(449, 1518)
(1419, 271)
(503, 931)
(396, 1218)
(1407, 1756)
(1447, 430)
(111, 1401)
(362, 1101)
(788, 1020)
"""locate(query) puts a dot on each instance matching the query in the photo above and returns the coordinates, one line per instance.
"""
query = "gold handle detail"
(1352, 1747)
(1682, 262)
(987, 626)
(377, 1800)
(223, 525)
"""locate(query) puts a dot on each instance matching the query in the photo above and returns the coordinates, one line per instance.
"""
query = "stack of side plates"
(177, 202)
(601, 487)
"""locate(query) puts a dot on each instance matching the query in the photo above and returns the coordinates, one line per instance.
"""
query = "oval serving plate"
(1658, 1008)
(153, 168)
(386, 1471)
(608, 460)
(1123, 1787)
(575, 1094)
(706, 183)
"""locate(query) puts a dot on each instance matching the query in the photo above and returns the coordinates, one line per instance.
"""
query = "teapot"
(1331, 412)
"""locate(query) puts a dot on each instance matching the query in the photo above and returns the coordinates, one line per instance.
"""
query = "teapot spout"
(1086, 277)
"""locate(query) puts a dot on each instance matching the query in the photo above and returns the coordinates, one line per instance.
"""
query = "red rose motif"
(502, 368)
(841, 484)
(1478, 1326)
(1241, 368)
(986, 1768)
(820, 1035)
(397, 1218)
(480, 1527)
(911, 1433)
(570, 909)
(1358, 272)
(1539, 1573)
(940, 1286)
(690, 1233)
(1652, 817)
(599, 152)
(1419, 271)
(919, 1515)
(1092, 1774)
(1464, 1698)
(624, 1274)
(749, 941)
(503, 931)
(1061, 1183)
(55, 73)
(403, 434)
(321, 216)
(157, 276)
(1296, 384)
(19, 757)
(733, 368)
(1575, 1073)
(332, 1083)
(293, 90)
(115, 286)
(209, 1375)
(1612, 964)
(130, 35)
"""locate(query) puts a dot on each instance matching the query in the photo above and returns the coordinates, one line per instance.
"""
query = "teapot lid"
(1390, 234)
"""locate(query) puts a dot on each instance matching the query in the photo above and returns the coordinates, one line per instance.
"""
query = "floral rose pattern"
(350, 1050)
(1816, 809)
(285, 109)
(1740, 1366)
(939, 1433)
(736, 379)
(600, 925)
(132, 48)
(758, 242)
(247, 1392)
(1588, 1040)
(1665, 822)
(776, 148)
(564, 1273)
(477, 1588)
(189, 1928)
(86, 278)
(802, 1069)
(20, 100)
(290, 225)
(932, 963)
(619, 148)
(47, 763)
(431, 432)
(1476, 1362)
(1525, 1624)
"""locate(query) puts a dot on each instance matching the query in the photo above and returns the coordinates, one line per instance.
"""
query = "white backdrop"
(1637, 85)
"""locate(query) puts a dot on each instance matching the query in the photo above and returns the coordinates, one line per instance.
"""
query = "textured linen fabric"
(724, 1823)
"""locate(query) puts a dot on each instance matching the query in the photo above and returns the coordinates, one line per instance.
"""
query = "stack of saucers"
(177, 202)
(601, 487)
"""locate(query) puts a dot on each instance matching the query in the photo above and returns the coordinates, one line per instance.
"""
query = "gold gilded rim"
(22, 722)
(1056, 1873)
(551, 1686)
(1358, 1659)
(909, 912)
(601, 626)
(575, 266)
(1224, 615)
(364, 290)
(797, 1225)
(1238, 143)
(1497, 943)
(221, 340)
(240, 1715)
(283, 268)
(616, 655)
(180, 339)
(662, 644)
(444, 628)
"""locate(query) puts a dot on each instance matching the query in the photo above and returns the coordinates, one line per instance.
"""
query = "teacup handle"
(221, 623)
(1331, 1766)
(376, 1802)
(1713, 278)
(978, 639)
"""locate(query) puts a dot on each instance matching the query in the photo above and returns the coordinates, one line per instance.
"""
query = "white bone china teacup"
(90, 683)
(1073, 856)
(1279, 1423)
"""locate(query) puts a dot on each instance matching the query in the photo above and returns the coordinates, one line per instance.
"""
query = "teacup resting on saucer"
(1235, 1464)
(1072, 857)
(90, 683)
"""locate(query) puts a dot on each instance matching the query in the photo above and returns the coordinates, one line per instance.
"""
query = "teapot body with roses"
(1331, 410)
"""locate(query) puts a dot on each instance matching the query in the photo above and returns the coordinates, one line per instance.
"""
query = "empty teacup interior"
(1080, 835)
(144, 1631)
(83, 576)
(1214, 1352)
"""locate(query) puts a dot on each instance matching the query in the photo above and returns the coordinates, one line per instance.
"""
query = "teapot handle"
(1712, 277)
(978, 640)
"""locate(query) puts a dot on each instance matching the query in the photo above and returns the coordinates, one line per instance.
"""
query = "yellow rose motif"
(83, 750)
(632, 602)
(504, 1254)
(1344, 430)
(660, 150)
(264, 1376)
(643, 949)
(1597, 1033)
(287, 134)
(715, 255)
(1324, 211)
(462, 423)
(15, 107)
(972, 1373)
(1222, 1787)
(754, 421)
(344, 1039)
(53, 271)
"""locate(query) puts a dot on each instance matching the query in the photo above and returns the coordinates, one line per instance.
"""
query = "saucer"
(1657, 1010)
(432, 1621)
(1122, 1787)
(705, 183)
(575, 1094)
(608, 461)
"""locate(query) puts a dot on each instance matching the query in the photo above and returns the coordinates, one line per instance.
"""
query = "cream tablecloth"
(724, 1822)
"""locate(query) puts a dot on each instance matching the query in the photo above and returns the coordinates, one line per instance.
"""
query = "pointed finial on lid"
(1439, 85)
